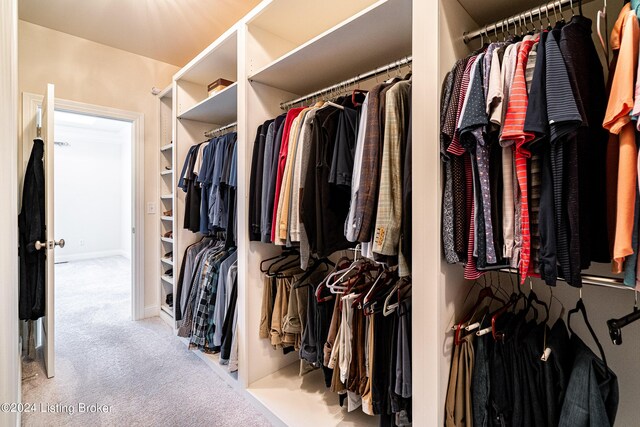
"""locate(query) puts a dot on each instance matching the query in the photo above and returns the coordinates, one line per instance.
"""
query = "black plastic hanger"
(580, 307)
(323, 261)
(280, 257)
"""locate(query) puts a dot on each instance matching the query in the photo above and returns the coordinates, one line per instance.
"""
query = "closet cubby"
(282, 50)
(195, 113)
(337, 54)
(165, 224)
(282, 65)
(452, 296)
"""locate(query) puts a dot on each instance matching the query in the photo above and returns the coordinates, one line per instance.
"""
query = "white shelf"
(166, 218)
(167, 279)
(167, 261)
(305, 19)
(218, 61)
(167, 318)
(166, 147)
(220, 108)
(385, 25)
(293, 399)
(213, 361)
(169, 310)
(166, 240)
(166, 93)
(167, 197)
(166, 172)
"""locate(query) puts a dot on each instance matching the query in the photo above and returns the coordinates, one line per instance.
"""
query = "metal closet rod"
(498, 26)
(590, 279)
(212, 132)
(360, 77)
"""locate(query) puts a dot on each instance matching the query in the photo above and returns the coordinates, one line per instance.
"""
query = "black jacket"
(31, 224)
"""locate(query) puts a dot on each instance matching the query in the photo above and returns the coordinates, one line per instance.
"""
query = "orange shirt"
(618, 121)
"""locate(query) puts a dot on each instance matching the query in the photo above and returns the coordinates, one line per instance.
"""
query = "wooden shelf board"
(291, 398)
(166, 147)
(218, 60)
(166, 172)
(385, 25)
(166, 93)
(167, 261)
(166, 218)
(167, 240)
(213, 361)
(167, 309)
(221, 108)
(167, 279)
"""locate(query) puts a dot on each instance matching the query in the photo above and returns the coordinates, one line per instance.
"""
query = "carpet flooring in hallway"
(140, 370)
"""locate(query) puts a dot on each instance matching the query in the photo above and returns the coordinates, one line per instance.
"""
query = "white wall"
(89, 72)
(93, 192)
(9, 358)
(125, 191)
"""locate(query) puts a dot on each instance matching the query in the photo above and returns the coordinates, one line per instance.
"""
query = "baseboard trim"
(151, 311)
(92, 255)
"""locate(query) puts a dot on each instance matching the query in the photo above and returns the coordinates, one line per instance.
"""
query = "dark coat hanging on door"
(31, 225)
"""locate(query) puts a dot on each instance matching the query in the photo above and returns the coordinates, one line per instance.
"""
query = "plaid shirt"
(206, 297)
(389, 212)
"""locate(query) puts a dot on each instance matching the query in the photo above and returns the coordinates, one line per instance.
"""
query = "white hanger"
(604, 41)
(387, 308)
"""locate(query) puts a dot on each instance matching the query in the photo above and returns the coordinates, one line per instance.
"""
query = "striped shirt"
(455, 147)
(514, 130)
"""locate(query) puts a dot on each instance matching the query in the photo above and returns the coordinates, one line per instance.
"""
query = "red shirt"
(514, 130)
(282, 161)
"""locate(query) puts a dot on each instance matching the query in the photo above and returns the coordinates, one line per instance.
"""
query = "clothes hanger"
(486, 292)
(532, 297)
(278, 258)
(283, 267)
(580, 307)
(317, 263)
(375, 283)
(604, 41)
(616, 325)
(387, 308)
(339, 265)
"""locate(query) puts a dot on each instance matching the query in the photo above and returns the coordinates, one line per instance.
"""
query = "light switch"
(151, 208)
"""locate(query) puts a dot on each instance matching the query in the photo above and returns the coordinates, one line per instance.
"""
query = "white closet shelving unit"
(281, 50)
(340, 40)
(195, 113)
(166, 224)
(446, 300)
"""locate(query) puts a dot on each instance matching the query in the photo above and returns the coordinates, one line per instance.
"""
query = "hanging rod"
(516, 20)
(212, 132)
(590, 279)
(360, 77)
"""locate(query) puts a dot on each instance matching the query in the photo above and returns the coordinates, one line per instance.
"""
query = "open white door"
(48, 322)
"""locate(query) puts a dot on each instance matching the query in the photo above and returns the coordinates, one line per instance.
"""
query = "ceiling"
(172, 31)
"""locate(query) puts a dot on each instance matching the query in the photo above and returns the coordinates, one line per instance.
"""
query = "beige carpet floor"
(139, 369)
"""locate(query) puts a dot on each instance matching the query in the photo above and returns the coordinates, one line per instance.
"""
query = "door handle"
(60, 243)
(39, 245)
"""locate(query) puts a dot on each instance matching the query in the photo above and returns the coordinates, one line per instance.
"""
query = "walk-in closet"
(345, 213)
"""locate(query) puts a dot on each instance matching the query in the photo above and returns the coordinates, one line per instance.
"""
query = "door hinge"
(133, 230)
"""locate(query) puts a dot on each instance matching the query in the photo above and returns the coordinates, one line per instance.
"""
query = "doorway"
(93, 213)
(99, 206)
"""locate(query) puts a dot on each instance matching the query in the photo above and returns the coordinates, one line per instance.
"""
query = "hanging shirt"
(272, 158)
(618, 121)
(514, 130)
(350, 224)
(389, 212)
(282, 161)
